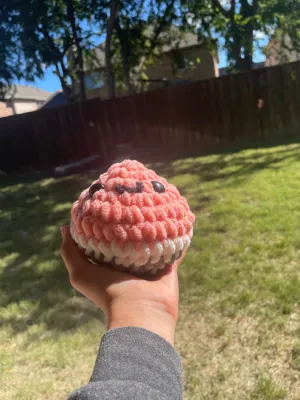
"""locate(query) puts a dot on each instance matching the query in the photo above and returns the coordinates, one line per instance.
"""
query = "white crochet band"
(143, 260)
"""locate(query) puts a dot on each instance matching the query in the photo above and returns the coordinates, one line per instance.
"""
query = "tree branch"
(246, 8)
(161, 26)
(139, 11)
(217, 5)
(122, 35)
(79, 57)
(52, 47)
(114, 7)
(255, 6)
(232, 9)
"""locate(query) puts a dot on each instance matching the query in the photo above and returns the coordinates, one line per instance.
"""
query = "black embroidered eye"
(158, 187)
(139, 187)
(120, 188)
(94, 188)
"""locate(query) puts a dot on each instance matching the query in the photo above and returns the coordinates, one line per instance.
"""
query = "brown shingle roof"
(22, 92)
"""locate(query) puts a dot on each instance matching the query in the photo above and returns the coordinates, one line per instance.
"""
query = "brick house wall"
(5, 110)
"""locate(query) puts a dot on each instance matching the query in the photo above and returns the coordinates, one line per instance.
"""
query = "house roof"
(189, 39)
(22, 92)
(55, 100)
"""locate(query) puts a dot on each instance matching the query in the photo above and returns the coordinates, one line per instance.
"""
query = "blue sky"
(51, 83)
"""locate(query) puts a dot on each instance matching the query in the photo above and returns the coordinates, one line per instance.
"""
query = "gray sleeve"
(133, 364)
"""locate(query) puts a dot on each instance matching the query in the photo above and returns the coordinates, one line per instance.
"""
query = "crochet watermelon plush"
(132, 219)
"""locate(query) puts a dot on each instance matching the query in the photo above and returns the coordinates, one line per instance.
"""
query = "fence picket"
(178, 120)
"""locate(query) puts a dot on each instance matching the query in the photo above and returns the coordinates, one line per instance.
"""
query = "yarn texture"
(132, 218)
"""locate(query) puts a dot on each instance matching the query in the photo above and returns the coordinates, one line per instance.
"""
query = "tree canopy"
(140, 32)
(61, 34)
(41, 34)
(237, 23)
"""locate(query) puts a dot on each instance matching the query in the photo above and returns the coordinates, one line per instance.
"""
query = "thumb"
(71, 254)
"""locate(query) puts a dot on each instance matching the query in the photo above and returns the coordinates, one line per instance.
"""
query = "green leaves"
(142, 30)
(39, 34)
(236, 21)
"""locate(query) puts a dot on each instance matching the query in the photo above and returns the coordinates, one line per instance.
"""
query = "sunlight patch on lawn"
(239, 326)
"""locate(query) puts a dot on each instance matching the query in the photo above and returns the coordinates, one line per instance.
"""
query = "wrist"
(146, 315)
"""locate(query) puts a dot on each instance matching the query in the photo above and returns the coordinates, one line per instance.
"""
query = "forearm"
(147, 316)
(137, 363)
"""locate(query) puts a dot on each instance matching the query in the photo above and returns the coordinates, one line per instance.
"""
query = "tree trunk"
(64, 73)
(109, 30)
(240, 48)
(122, 35)
(247, 12)
(248, 49)
(63, 82)
(79, 57)
(235, 47)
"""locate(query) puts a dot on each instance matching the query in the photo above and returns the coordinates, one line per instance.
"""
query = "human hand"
(126, 300)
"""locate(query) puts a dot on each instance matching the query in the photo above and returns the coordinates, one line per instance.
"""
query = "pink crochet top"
(133, 218)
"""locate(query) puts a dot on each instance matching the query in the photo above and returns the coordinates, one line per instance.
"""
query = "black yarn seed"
(139, 187)
(120, 188)
(94, 188)
(158, 187)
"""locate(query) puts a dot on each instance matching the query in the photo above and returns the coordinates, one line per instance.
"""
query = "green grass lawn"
(239, 328)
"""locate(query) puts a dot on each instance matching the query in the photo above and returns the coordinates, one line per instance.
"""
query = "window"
(182, 60)
(94, 80)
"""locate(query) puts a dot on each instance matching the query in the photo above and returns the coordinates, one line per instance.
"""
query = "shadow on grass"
(34, 284)
(230, 168)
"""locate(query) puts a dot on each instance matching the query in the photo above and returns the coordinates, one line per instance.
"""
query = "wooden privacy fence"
(178, 120)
